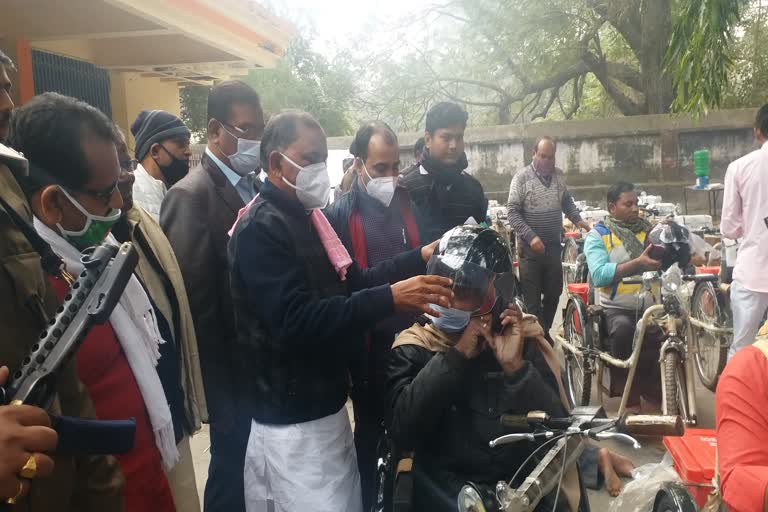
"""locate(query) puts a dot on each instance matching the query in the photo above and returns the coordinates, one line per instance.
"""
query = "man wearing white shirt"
(163, 153)
(196, 215)
(745, 217)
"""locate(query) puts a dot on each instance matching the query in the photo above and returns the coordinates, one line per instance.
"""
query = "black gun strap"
(50, 261)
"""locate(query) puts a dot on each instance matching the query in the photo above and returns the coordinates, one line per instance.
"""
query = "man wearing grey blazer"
(196, 215)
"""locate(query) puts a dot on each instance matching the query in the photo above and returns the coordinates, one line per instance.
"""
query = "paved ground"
(651, 451)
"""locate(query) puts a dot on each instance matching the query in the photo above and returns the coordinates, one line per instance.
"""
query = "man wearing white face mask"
(195, 216)
(302, 307)
(375, 223)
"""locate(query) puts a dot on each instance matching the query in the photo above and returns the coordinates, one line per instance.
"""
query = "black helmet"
(675, 238)
(475, 258)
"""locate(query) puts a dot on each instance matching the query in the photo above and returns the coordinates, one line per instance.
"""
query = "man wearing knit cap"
(163, 152)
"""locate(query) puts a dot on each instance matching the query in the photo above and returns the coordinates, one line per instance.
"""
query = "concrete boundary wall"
(655, 152)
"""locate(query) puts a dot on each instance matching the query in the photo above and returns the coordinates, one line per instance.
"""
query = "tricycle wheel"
(676, 397)
(674, 497)
(577, 371)
(569, 258)
(712, 349)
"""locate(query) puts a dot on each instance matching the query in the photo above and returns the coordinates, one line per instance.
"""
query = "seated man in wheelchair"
(449, 381)
(619, 247)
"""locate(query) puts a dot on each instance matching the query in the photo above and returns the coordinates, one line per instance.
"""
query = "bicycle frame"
(686, 348)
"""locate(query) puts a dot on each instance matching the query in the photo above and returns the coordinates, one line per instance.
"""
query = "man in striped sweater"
(537, 198)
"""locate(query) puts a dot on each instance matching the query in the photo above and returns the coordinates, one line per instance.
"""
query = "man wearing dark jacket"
(375, 223)
(196, 215)
(444, 195)
(301, 307)
(449, 382)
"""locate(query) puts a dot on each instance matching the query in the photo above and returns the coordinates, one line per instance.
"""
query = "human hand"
(24, 433)
(584, 225)
(414, 295)
(507, 345)
(428, 250)
(538, 246)
(472, 341)
(646, 262)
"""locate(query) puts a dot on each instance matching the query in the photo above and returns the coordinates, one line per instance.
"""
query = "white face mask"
(381, 189)
(247, 158)
(313, 185)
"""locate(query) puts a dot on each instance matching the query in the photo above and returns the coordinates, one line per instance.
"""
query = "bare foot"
(613, 483)
(622, 465)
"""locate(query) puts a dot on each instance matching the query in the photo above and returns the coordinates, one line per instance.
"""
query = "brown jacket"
(78, 483)
(153, 246)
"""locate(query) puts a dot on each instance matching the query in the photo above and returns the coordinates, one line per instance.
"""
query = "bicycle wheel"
(674, 497)
(712, 350)
(569, 258)
(672, 383)
(578, 375)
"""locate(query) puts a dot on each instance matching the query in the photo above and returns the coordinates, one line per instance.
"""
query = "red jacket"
(104, 370)
(741, 409)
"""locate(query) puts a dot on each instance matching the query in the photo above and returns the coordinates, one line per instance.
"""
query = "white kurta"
(148, 192)
(302, 467)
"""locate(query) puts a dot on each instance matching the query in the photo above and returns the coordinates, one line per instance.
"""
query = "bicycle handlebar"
(702, 278)
(635, 424)
(632, 280)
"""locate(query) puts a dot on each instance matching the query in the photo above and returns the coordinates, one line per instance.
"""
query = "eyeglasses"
(103, 196)
(129, 165)
(240, 133)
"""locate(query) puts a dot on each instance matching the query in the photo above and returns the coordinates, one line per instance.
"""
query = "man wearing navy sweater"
(299, 312)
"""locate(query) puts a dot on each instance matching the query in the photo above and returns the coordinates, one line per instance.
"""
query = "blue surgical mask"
(247, 158)
(451, 320)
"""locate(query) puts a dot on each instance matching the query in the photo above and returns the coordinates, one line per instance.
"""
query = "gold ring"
(12, 501)
(30, 468)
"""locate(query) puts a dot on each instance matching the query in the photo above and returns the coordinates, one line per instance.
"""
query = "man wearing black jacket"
(301, 305)
(443, 193)
(449, 382)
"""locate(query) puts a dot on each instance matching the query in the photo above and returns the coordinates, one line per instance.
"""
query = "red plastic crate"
(694, 456)
(573, 234)
(708, 270)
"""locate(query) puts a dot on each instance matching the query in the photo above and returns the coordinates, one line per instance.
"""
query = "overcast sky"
(339, 23)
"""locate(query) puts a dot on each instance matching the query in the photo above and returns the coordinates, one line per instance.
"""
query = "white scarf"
(133, 321)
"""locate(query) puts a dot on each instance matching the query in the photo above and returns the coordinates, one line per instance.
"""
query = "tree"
(302, 79)
(700, 54)
(523, 60)
(194, 110)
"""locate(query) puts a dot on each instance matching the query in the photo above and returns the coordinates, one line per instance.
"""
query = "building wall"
(655, 152)
(132, 93)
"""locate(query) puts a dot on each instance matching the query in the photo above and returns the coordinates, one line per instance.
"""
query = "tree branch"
(552, 96)
(625, 74)
(478, 83)
(627, 106)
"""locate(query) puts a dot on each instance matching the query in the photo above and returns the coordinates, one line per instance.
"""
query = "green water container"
(701, 162)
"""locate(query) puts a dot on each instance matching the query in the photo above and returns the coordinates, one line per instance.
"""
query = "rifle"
(90, 301)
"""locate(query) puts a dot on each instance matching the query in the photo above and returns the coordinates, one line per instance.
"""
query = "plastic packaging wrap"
(698, 246)
(639, 494)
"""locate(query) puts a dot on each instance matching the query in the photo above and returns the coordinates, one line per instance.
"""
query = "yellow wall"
(131, 93)
(74, 48)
